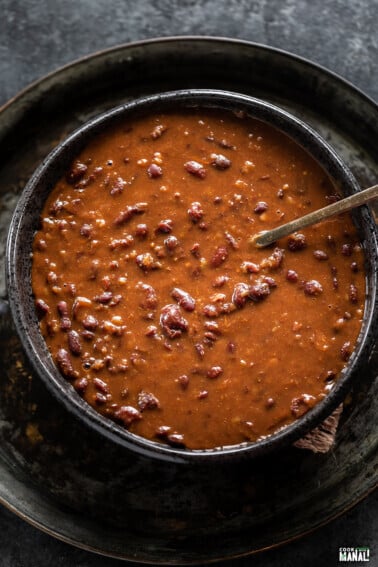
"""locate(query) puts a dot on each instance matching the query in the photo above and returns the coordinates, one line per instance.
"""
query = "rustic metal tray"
(80, 488)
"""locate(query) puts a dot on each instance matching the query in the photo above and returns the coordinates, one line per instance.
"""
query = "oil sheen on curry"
(155, 307)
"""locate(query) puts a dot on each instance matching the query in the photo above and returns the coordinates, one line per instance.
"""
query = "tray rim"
(33, 88)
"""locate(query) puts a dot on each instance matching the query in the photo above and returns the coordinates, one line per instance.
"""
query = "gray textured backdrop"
(37, 36)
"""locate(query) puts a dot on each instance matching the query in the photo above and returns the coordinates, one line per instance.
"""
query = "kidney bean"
(101, 386)
(347, 249)
(150, 301)
(213, 327)
(172, 321)
(90, 323)
(183, 298)
(219, 161)
(296, 242)
(292, 276)
(240, 294)
(154, 171)
(231, 347)
(353, 294)
(210, 310)
(163, 431)
(259, 291)
(141, 230)
(115, 330)
(76, 172)
(79, 303)
(165, 226)
(200, 349)
(313, 287)
(183, 380)
(299, 406)
(249, 267)
(80, 385)
(195, 250)
(117, 243)
(203, 395)
(104, 297)
(226, 144)
(74, 342)
(220, 281)
(219, 256)
(214, 372)
(127, 414)
(195, 211)
(346, 351)
(227, 308)
(94, 269)
(195, 168)
(146, 262)
(320, 255)
(117, 186)
(171, 243)
(42, 308)
(354, 267)
(65, 321)
(260, 207)
(64, 363)
(146, 400)
(176, 440)
(151, 331)
(100, 399)
(86, 230)
(273, 261)
(130, 211)
(280, 193)
(158, 131)
(87, 335)
(270, 281)
(231, 240)
(210, 337)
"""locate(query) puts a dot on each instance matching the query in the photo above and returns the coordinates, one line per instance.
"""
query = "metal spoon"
(266, 237)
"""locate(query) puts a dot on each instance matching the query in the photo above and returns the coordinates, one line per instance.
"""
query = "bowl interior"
(26, 221)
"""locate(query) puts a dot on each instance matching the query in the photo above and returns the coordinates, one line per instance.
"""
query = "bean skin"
(214, 372)
(128, 213)
(296, 242)
(195, 211)
(154, 171)
(261, 207)
(219, 161)
(320, 255)
(219, 256)
(42, 308)
(77, 172)
(65, 321)
(74, 342)
(353, 294)
(172, 321)
(150, 300)
(313, 287)
(183, 298)
(146, 400)
(127, 414)
(64, 363)
(195, 168)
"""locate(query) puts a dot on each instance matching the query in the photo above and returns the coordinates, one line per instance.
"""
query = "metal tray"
(80, 488)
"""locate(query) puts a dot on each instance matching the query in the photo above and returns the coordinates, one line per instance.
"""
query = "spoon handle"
(266, 237)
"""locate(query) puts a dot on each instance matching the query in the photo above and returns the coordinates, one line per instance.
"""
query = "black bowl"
(25, 222)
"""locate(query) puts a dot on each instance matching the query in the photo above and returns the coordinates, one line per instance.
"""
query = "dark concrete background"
(37, 36)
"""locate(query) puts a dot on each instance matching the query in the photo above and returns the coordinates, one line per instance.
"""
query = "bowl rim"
(262, 110)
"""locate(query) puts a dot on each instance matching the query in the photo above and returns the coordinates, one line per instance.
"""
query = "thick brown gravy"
(155, 307)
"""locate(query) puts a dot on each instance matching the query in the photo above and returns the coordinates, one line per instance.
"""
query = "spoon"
(266, 237)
